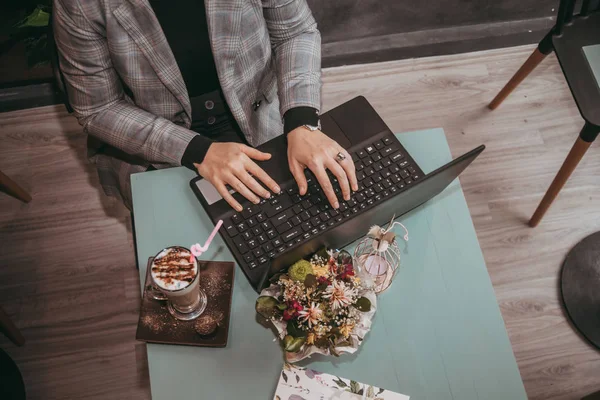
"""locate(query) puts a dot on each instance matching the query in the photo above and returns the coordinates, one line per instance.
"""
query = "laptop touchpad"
(332, 129)
(209, 191)
(358, 120)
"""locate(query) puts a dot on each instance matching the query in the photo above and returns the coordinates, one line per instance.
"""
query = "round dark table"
(580, 285)
(11, 381)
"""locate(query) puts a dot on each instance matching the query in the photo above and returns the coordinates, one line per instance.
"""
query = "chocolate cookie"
(205, 325)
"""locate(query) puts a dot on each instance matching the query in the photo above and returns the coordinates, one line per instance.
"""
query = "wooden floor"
(67, 268)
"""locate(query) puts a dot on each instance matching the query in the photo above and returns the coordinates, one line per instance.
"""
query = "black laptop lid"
(431, 185)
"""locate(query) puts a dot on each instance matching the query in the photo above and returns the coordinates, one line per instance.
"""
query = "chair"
(568, 38)
(10, 330)
(12, 188)
(6, 184)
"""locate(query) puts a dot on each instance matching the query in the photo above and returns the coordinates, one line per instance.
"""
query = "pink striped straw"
(197, 250)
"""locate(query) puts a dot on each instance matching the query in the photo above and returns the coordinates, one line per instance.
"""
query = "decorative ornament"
(378, 254)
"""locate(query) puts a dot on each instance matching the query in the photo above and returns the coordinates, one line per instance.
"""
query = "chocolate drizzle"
(174, 266)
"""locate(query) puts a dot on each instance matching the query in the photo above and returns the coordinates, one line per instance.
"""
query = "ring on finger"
(340, 156)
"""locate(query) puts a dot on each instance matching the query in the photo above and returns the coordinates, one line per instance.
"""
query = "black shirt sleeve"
(295, 117)
(299, 116)
(195, 151)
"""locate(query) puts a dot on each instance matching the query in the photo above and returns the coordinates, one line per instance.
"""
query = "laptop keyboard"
(264, 230)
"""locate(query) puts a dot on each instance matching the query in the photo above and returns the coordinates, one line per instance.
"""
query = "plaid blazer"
(127, 92)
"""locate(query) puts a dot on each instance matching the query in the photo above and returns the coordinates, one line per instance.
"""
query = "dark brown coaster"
(156, 325)
(580, 285)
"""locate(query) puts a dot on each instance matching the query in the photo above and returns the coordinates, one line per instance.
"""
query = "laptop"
(268, 237)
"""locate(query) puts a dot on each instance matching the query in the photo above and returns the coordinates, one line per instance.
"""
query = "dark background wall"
(359, 31)
(354, 31)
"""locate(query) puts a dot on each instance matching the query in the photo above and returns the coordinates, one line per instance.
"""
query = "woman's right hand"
(231, 164)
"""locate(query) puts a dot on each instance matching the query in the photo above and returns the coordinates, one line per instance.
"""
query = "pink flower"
(323, 279)
(313, 314)
(287, 315)
(296, 305)
(348, 271)
(340, 295)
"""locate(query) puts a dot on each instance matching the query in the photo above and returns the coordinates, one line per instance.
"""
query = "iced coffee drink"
(175, 273)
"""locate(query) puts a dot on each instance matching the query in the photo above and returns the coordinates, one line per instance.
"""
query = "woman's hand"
(231, 164)
(318, 152)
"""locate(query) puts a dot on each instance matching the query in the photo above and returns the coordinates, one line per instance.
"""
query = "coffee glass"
(178, 279)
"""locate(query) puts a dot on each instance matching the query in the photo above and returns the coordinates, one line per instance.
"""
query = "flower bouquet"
(324, 306)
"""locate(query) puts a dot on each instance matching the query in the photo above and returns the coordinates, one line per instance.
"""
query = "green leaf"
(38, 18)
(282, 306)
(323, 254)
(363, 304)
(370, 392)
(310, 281)
(354, 387)
(265, 306)
(294, 331)
(293, 345)
(340, 383)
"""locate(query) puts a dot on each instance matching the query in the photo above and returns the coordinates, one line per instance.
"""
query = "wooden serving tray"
(156, 325)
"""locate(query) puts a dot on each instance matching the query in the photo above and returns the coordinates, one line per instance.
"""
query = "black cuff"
(299, 116)
(195, 151)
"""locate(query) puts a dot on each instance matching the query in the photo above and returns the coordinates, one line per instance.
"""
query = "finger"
(297, 171)
(253, 185)
(255, 154)
(260, 173)
(220, 186)
(238, 186)
(341, 176)
(348, 166)
(325, 183)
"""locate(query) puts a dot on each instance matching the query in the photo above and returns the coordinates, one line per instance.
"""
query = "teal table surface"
(437, 334)
(592, 54)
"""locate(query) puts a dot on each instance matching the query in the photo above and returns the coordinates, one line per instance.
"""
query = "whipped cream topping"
(172, 270)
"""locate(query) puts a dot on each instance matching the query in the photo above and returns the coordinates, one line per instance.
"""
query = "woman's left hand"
(318, 152)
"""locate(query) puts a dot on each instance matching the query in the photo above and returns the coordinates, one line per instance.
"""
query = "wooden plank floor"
(67, 268)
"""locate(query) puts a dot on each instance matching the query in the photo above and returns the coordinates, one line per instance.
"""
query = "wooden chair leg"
(533, 61)
(585, 139)
(10, 330)
(10, 187)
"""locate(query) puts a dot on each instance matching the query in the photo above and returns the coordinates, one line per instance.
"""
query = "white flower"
(340, 295)
(312, 314)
